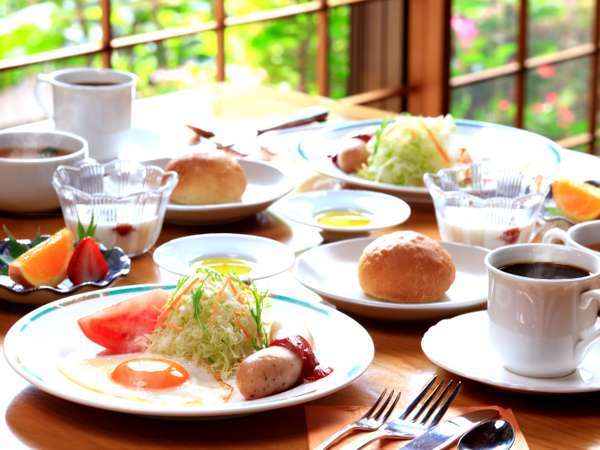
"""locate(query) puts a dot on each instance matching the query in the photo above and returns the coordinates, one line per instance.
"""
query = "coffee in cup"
(543, 304)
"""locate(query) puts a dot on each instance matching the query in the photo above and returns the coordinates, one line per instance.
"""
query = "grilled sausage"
(268, 371)
(353, 155)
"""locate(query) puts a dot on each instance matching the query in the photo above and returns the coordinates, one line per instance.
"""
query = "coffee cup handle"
(590, 337)
(555, 234)
(41, 79)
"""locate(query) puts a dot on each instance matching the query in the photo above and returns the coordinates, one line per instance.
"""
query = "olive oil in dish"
(343, 218)
(226, 265)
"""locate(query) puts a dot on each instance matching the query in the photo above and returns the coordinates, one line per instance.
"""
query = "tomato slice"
(119, 326)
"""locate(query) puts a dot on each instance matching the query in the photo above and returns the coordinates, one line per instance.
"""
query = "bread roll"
(405, 267)
(207, 178)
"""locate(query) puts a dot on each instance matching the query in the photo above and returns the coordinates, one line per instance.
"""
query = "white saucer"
(269, 257)
(461, 345)
(331, 271)
(384, 210)
(266, 184)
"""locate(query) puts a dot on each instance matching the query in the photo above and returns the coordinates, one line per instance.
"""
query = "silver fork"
(370, 421)
(437, 397)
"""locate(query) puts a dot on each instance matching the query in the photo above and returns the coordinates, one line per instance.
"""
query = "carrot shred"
(436, 144)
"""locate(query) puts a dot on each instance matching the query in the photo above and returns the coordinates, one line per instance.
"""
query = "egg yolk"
(150, 373)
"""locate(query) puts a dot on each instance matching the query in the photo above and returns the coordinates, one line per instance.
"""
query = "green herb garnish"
(48, 152)
(256, 312)
(378, 133)
(197, 301)
(90, 231)
(16, 249)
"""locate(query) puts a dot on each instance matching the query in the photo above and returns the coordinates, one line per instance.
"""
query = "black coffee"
(94, 83)
(545, 270)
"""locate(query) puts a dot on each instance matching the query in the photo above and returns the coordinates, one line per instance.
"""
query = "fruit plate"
(119, 265)
(35, 350)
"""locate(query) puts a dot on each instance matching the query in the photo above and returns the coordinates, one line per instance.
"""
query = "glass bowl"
(126, 200)
(479, 204)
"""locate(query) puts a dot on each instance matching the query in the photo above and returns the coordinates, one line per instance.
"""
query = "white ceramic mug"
(94, 104)
(542, 327)
(578, 236)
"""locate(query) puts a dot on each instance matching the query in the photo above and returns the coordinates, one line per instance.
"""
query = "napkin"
(323, 421)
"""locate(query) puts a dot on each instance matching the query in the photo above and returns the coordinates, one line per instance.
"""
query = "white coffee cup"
(578, 236)
(542, 327)
(94, 104)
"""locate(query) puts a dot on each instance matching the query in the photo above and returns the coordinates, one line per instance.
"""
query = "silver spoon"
(490, 435)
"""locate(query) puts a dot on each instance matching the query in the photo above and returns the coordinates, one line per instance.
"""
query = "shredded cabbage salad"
(402, 151)
(213, 320)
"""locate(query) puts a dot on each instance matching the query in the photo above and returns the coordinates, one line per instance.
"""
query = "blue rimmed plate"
(505, 145)
(119, 265)
(35, 351)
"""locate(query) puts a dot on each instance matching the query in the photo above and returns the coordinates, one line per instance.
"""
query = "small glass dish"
(486, 206)
(127, 201)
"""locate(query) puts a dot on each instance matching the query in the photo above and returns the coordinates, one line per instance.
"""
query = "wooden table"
(31, 418)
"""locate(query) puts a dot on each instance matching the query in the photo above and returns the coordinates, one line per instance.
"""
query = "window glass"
(279, 52)
(140, 16)
(170, 65)
(558, 24)
(557, 99)
(484, 34)
(491, 101)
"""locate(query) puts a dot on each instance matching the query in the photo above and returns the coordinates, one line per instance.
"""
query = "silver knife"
(236, 140)
(444, 434)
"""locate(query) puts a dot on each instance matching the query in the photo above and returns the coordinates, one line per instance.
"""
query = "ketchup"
(311, 369)
(363, 137)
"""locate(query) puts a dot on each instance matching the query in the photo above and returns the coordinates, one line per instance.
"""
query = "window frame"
(219, 25)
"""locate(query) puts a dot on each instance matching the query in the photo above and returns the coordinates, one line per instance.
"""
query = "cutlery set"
(420, 424)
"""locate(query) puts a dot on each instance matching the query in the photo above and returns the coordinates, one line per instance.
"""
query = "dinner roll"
(405, 267)
(207, 178)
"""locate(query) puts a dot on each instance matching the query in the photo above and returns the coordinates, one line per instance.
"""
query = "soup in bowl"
(28, 160)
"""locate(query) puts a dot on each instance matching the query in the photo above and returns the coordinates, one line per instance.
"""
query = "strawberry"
(87, 263)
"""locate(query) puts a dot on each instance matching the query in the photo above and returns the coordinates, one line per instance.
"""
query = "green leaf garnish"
(48, 152)
(83, 232)
(197, 301)
(15, 248)
(38, 239)
(256, 311)
(378, 133)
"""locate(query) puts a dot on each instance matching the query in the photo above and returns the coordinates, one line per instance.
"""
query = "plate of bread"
(401, 275)
(214, 187)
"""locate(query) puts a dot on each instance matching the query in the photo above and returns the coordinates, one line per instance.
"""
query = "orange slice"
(45, 264)
(578, 201)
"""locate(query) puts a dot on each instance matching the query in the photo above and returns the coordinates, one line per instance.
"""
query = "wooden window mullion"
(594, 79)
(521, 75)
(105, 6)
(220, 30)
(323, 48)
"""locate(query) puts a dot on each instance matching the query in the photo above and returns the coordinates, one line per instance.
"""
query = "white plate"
(503, 144)
(268, 257)
(461, 345)
(385, 210)
(266, 184)
(331, 271)
(34, 349)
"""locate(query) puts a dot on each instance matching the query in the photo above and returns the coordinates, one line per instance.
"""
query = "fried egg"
(144, 377)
